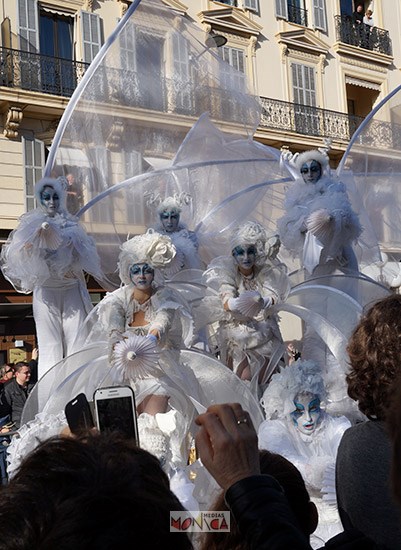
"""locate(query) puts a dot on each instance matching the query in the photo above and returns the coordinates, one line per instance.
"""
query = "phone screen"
(78, 414)
(116, 414)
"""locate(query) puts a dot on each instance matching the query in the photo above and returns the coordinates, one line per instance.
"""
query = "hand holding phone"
(79, 415)
(115, 410)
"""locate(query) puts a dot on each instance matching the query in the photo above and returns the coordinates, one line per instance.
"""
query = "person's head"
(248, 243)
(22, 373)
(142, 275)
(360, 8)
(369, 13)
(96, 491)
(312, 164)
(374, 351)
(296, 394)
(295, 490)
(169, 209)
(50, 195)
(6, 372)
(143, 255)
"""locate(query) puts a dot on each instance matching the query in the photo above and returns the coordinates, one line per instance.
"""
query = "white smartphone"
(115, 410)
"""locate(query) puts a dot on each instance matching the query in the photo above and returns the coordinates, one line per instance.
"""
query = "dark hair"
(93, 492)
(374, 351)
(294, 487)
(393, 422)
(21, 364)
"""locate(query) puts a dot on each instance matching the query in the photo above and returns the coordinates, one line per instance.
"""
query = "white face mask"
(307, 414)
(50, 200)
(141, 276)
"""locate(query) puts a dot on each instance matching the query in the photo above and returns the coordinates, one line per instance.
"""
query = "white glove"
(233, 304)
(267, 302)
(152, 337)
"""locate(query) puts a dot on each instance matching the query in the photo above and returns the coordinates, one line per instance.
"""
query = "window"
(28, 25)
(293, 11)
(319, 15)
(91, 35)
(181, 88)
(236, 58)
(134, 200)
(304, 90)
(252, 5)
(34, 161)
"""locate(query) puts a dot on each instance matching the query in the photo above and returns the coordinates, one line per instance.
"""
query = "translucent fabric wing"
(156, 75)
(372, 167)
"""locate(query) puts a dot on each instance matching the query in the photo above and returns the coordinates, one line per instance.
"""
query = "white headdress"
(250, 233)
(57, 185)
(320, 155)
(173, 203)
(284, 386)
(151, 248)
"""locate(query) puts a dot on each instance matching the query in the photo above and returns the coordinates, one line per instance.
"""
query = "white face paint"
(141, 276)
(170, 220)
(307, 413)
(245, 256)
(50, 200)
(311, 171)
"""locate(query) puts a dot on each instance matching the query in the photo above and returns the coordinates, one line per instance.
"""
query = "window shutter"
(303, 84)
(319, 15)
(251, 5)
(181, 72)
(28, 25)
(127, 48)
(34, 161)
(91, 35)
(282, 9)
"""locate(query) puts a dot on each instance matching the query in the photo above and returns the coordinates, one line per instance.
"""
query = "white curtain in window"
(282, 9)
(319, 15)
(181, 76)
(28, 25)
(91, 35)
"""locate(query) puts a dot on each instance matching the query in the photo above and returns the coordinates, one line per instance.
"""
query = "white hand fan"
(136, 357)
(249, 303)
(319, 223)
(48, 236)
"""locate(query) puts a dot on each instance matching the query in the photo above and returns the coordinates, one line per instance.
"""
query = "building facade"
(316, 74)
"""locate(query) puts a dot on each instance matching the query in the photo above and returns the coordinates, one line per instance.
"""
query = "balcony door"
(56, 43)
(304, 90)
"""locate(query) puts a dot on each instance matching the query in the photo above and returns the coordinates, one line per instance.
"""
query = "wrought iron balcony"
(39, 73)
(362, 36)
(313, 121)
(297, 15)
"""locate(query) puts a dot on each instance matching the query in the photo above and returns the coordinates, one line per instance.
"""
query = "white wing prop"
(371, 169)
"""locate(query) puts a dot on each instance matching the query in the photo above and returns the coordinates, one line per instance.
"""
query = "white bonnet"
(300, 376)
(57, 185)
(152, 248)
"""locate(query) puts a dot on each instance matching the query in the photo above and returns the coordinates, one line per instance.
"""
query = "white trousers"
(59, 314)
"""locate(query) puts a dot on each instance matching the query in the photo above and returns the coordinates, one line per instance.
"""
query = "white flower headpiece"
(173, 203)
(58, 186)
(301, 376)
(250, 233)
(152, 248)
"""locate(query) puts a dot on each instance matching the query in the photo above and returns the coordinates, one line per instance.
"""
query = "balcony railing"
(362, 36)
(297, 15)
(313, 121)
(39, 73)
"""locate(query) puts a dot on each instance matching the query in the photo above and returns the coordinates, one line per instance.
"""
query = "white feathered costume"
(314, 454)
(319, 226)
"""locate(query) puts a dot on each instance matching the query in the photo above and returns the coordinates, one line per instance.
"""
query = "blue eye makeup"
(167, 215)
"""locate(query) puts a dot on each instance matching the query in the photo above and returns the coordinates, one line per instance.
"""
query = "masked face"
(141, 276)
(50, 200)
(311, 171)
(307, 413)
(245, 256)
(170, 220)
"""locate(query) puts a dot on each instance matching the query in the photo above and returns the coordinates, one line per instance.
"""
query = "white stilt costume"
(48, 254)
